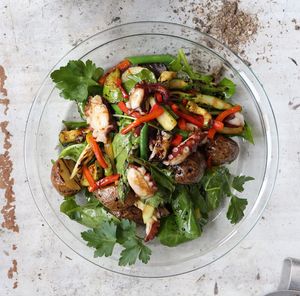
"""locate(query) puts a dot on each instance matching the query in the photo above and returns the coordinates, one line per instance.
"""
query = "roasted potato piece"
(109, 197)
(60, 177)
(191, 170)
(131, 213)
(72, 136)
(222, 150)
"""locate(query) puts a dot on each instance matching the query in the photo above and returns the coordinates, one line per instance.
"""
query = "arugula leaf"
(77, 79)
(180, 63)
(91, 214)
(216, 184)
(181, 226)
(228, 87)
(247, 133)
(239, 181)
(103, 239)
(73, 151)
(198, 198)
(169, 233)
(236, 209)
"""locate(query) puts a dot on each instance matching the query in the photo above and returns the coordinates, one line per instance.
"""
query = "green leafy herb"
(77, 79)
(182, 225)
(74, 124)
(104, 238)
(217, 184)
(228, 87)
(247, 133)
(91, 214)
(111, 91)
(169, 233)
(135, 75)
(180, 63)
(236, 209)
(73, 151)
(239, 181)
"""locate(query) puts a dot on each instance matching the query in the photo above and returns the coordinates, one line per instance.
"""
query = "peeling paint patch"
(2, 81)
(5, 103)
(13, 270)
(6, 180)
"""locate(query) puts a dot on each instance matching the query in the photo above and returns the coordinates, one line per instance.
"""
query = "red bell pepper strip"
(211, 133)
(218, 125)
(158, 97)
(155, 112)
(227, 112)
(97, 151)
(122, 66)
(181, 124)
(104, 182)
(220, 118)
(190, 118)
(123, 108)
(127, 111)
(87, 174)
(177, 140)
(121, 88)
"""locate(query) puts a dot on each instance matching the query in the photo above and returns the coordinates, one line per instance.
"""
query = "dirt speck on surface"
(293, 60)
(258, 276)
(216, 289)
(224, 20)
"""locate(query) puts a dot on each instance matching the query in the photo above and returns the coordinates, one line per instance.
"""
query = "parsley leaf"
(77, 79)
(239, 181)
(236, 209)
(103, 239)
(217, 184)
(134, 249)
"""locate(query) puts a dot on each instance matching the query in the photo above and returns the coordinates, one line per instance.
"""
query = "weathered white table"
(34, 34)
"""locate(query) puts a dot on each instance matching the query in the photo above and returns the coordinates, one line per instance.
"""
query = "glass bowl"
(260, 160)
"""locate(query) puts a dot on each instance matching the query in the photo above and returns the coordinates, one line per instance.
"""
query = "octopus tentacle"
(184, 149)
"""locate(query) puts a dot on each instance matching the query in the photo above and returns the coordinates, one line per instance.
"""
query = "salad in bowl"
(150, 153)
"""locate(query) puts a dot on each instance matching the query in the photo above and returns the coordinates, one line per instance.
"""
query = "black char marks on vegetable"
(156, 68)
(151, 88)
(222, 150)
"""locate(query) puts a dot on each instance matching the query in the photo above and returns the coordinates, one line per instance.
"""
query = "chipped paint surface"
(6, 180)
(44, 31)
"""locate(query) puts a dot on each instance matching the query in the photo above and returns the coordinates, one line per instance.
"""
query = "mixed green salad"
(150, 150)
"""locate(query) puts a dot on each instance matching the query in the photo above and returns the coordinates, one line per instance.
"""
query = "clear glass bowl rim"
(272, 142)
